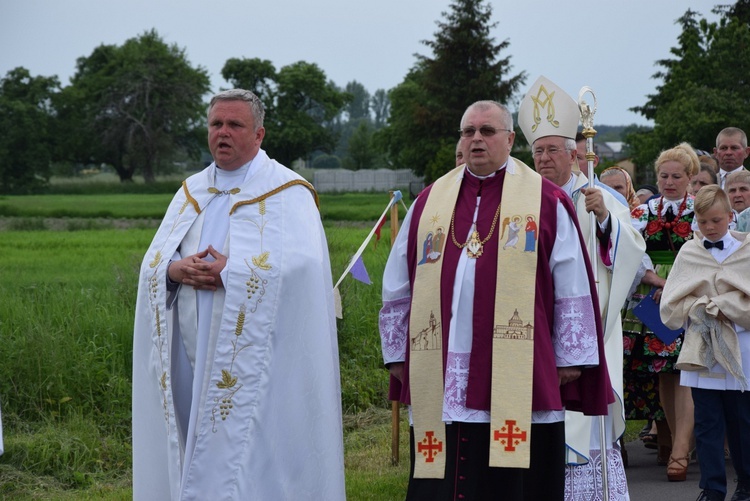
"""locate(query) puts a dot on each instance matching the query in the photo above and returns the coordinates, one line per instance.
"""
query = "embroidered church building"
(515, 329)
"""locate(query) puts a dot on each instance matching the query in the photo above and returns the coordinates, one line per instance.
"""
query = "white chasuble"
(265, 419)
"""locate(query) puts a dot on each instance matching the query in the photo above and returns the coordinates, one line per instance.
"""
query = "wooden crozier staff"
(587, 119)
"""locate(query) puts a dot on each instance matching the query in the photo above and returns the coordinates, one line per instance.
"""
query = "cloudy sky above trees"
(610, 46)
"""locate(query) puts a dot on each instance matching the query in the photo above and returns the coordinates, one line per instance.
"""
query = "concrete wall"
(328, 180)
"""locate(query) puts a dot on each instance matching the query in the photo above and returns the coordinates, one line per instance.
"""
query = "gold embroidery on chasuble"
(255, 287)
(156, 282)
(277, 190)
(190, 199)
(543, 100)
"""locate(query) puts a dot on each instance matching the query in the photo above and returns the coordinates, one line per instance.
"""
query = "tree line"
(140, 107)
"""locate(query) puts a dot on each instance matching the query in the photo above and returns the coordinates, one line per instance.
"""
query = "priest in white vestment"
(236, 391)
(619, 251)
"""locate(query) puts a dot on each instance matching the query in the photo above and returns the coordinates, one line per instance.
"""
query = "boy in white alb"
(709, 290)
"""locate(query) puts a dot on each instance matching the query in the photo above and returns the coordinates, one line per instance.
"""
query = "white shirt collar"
(568, 187)
(730, 245)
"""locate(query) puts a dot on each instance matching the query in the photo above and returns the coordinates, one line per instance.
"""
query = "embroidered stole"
(513, 334)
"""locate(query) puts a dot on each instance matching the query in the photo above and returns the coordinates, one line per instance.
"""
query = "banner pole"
(395, 409)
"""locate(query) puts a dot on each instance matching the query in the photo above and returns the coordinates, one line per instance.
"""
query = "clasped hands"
(198, 272)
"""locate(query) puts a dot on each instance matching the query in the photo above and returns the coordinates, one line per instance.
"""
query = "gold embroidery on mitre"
(546, 102)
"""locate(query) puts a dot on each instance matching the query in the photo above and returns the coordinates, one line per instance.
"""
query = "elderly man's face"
(552, 160)
(730, 153)
(739, 195)
(484, 154)
(232, 137)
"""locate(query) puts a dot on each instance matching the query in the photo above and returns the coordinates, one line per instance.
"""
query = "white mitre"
(547, 110)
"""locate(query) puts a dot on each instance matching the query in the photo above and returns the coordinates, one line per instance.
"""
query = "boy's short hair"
(710, 195)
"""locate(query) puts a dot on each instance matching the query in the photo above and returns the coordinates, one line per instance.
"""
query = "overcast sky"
(610, 46)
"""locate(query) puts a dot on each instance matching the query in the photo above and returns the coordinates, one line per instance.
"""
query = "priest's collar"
(219, 176)
(240, 172)
(488, 175)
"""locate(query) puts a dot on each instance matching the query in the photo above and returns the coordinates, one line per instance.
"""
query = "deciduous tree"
(300, 105)
(27, 125)
(704, 87)
(134, 106)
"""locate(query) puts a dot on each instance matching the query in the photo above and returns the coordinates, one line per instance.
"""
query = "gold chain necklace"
(474, 246)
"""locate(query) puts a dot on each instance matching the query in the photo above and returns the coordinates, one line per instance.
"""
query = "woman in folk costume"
(666, 225)
(708, 291)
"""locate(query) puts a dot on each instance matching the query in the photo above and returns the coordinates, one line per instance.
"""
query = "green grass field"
(66, 316)
(338, 207)
(67, 302)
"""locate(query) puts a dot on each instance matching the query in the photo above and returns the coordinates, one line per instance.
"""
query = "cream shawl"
(709, 296)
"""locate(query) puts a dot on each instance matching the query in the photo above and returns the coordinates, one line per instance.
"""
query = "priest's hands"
(198, 272)
(595, 203)
(567, 374)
